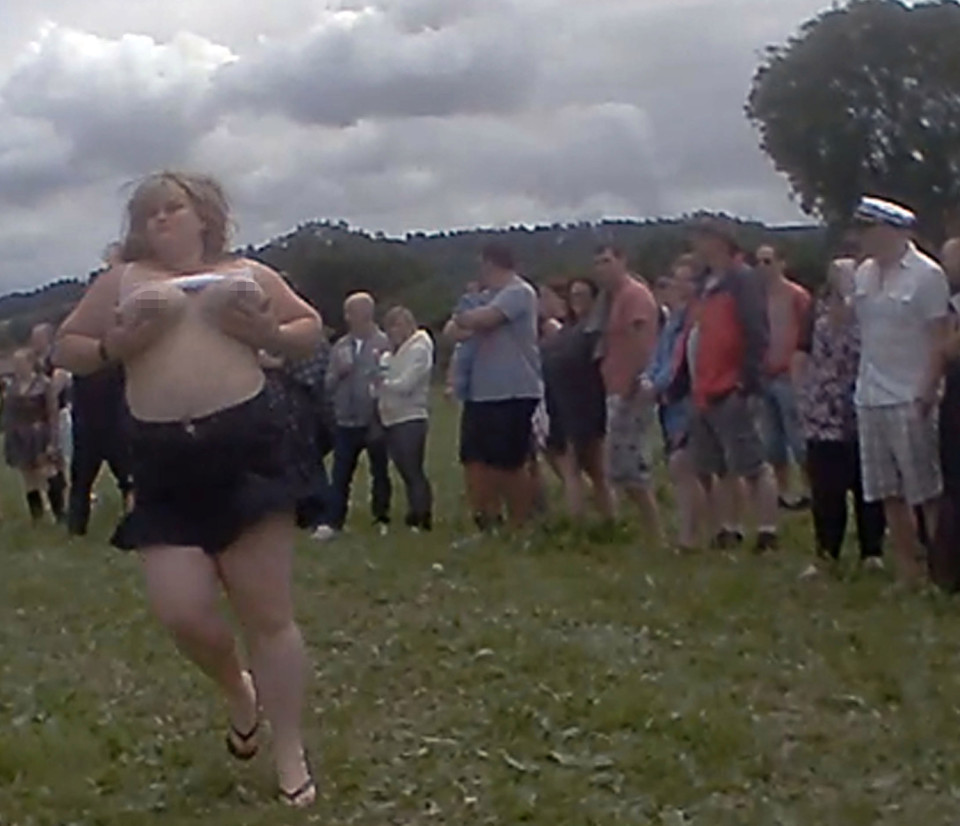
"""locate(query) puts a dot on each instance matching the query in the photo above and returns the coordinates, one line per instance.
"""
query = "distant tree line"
(325, 261)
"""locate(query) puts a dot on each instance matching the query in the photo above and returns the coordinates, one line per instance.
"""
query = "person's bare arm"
(455, 333)
(640, 353)
(938, 332)
(78, 342)
(53, 414)
(298, 326)
(481, 319)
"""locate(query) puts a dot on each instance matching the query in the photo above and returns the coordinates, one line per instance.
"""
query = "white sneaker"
(810, 572)
(324, 533)
(384, 530)
(874, 563)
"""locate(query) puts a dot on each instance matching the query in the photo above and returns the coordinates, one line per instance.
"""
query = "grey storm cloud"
(370, 63)
(392, 114)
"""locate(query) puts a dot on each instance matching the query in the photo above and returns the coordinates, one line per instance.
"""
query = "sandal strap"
(245, 738)
(294, 796)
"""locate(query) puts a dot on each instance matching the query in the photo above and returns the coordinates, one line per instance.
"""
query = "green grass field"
(560, 681)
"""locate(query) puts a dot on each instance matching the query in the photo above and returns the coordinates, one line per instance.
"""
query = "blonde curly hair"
(207, 198)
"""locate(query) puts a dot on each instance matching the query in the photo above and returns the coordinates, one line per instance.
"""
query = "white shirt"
(894, 316)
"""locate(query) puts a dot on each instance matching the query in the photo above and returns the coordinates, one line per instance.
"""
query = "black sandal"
(304, 795)
(244, 746)
(238, 743)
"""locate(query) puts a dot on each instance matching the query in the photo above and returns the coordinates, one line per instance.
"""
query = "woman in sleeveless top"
(41, 344)
(214, 504)
(30, 428)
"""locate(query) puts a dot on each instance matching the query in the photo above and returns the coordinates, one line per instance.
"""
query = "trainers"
(726, 540)
(874, 563)
(766, 541)
(324, 533)
(812, 571)
(801, 503)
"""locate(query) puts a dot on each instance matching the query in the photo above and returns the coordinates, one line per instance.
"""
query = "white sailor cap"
(873, 210)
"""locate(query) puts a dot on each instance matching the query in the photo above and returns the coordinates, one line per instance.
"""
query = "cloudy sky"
(394, 115)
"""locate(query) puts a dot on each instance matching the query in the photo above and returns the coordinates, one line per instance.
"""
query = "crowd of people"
(213, 392)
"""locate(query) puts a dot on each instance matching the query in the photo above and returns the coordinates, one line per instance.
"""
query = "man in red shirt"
(788, 305)
(629, 339)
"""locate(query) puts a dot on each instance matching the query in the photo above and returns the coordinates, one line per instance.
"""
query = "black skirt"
(202, 483)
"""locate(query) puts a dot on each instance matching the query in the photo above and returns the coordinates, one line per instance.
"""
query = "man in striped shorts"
(900, 298)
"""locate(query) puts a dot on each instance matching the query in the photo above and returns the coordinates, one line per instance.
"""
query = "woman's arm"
(420, 365)
(299, 326)
(53, 413)
(79, 343)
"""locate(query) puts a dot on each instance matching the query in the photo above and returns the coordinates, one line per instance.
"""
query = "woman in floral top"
(827, 374)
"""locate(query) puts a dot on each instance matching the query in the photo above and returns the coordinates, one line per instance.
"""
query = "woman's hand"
(251, 323)
(134, 333)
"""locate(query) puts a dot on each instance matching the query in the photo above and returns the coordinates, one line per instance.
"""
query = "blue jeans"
(348, 444)
(781, 423)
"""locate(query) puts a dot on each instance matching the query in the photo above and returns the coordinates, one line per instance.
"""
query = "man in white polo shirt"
(900, 298)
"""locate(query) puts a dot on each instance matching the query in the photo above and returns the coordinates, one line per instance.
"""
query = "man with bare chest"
(787, 307)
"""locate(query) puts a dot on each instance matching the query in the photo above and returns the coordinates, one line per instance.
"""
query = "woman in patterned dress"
(827, 373)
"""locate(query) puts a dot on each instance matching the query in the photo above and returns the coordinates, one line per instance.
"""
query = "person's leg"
(774, 437)
(793, 432)
(507, 449)
(871, 521)
(518, 491)
(421, 491)
(482, 498)
(32, 484)
(347, 444)
(56, 492)
(706, 455)
(537, 483)
(572, 479)
(630, 423)
(182, 591)
(829, 474)
(83, 473)
(257, 571)
(744, 453)
(380, 489)
(689, 495)
(914, 441)
(907, 550)
(592, 460)
(407, 445)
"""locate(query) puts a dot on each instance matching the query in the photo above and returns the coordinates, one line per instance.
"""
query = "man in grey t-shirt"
(505, 386)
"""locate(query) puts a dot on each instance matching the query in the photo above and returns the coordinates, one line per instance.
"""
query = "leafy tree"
(866, 98)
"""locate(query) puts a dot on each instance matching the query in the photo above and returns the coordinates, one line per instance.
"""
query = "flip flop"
(304, 795)
(243, 746)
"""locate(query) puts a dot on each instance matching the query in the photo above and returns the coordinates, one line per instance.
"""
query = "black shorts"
(497, 434)
(203, 483)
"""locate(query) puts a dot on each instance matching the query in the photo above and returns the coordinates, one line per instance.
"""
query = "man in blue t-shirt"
(505, 386)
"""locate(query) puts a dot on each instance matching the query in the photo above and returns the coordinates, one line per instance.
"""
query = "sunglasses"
(766, 262)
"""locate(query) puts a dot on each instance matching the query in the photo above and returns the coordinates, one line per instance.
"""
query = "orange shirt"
(624, 358)
(787, 306)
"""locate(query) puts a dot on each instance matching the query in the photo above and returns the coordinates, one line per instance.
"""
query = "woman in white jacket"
(404, 395)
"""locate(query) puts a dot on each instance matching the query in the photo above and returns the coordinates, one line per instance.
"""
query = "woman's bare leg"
(595, 466)
(257, 571)
(182, 591)
(690, 499)
(569, 471)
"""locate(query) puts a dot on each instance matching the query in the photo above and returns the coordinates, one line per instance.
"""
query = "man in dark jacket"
(726, 345)
(99, 408)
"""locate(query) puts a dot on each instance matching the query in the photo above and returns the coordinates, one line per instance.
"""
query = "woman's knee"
(189, 620)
